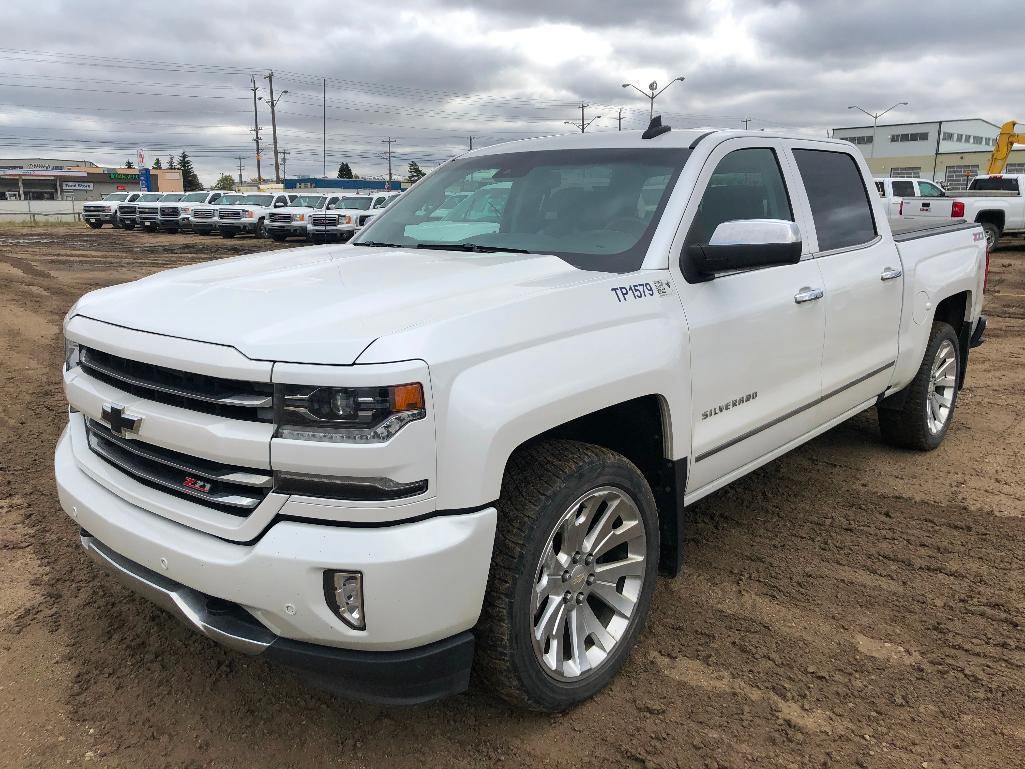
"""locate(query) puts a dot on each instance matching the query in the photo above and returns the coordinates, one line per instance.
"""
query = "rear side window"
(903, 189)
(995, 184)
(747, 184)
(838, 198)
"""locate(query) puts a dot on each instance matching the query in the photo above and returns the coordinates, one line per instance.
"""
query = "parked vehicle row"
(314, 216)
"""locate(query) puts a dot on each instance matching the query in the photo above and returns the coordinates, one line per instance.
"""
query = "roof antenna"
(655, 128)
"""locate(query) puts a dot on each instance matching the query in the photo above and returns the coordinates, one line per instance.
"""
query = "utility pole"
(619, 118)
(240, 159)
(269, 77)
(471, 144)
(389, 141)
(584, 122)
(284, 164)
(256, 131)
(324, 170)
(747, 122)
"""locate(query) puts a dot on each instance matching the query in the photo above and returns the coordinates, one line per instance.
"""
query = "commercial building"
(321, 183)
(952, 152)
(61, 179)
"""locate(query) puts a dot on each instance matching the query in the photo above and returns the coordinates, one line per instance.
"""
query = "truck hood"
(326, 304)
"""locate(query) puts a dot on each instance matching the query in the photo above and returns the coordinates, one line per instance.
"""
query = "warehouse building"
(63, 179)
(952, 152)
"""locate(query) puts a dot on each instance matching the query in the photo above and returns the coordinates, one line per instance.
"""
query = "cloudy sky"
(96, 80)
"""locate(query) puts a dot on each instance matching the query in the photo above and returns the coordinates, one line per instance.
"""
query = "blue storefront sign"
(144, 180)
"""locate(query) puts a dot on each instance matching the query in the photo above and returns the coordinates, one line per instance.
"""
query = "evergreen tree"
(415, 173)
(157, 164)
(129, 164)
(345, 172)
(190, 180)
(226, 182)
(171, 166)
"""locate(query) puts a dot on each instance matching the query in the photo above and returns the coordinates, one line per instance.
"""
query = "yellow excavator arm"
(1005, 143)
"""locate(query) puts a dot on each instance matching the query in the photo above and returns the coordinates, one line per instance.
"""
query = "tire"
(261, 231)
(924, 418)
(95, 225)
(227, 235)
(128, 226)
(992, 235)
(544, 487)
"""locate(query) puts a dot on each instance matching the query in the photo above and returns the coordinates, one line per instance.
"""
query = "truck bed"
(912, 229)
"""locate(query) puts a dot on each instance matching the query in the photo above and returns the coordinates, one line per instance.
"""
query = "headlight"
(348, 220)
(299, 217)
(186, 210)
(248, 214)
(346, 414)
(72, 356)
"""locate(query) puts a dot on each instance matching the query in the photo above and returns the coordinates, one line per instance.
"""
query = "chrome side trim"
(751, 433)
(187, 605)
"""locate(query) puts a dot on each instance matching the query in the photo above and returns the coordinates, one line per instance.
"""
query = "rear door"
(756, 335)
(861, 275)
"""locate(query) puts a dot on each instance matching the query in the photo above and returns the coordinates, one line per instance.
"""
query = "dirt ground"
(848, 605)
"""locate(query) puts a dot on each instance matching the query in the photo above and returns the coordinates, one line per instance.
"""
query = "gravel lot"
(847, 605)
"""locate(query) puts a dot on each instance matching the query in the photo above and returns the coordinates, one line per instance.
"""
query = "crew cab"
(387, 462)
(893, 190)
(176, 215)
(994, 201)
(340, 220)
(247, 215)
(292, 220)
(96, 213)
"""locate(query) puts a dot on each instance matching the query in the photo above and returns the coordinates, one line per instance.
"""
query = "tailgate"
(925, 208)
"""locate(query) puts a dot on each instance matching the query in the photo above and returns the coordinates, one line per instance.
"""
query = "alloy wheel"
(942, 384)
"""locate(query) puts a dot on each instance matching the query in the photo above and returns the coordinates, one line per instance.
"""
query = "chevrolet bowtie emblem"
(120, 423)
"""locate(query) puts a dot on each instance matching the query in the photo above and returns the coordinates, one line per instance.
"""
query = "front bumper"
(170, 225)
(204, 225)
(91, 216)
(400, 677)
(330, 233)
(297, 230)
(247, 226)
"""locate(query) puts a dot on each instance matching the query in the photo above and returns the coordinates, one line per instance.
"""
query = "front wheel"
(573, 571)
(928, 409)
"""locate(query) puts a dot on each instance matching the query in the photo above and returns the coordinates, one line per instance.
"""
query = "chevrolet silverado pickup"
(995, 202)
(893, 189)
(389, 462)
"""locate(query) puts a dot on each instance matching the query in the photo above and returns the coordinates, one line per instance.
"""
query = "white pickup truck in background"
(892, 190)
(293, 219)
(177, 215)
(96, 213)
(340, 220)
(247, 215)
(993, 201)
(386, 462)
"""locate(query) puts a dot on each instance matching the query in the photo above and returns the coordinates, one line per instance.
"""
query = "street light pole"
(875, 121)
(653, 93)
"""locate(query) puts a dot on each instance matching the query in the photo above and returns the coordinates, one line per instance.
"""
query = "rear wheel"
(923, 420)
(573, 571)
(992, 235)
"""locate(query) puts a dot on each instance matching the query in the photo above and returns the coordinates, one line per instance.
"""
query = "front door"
(755, 336)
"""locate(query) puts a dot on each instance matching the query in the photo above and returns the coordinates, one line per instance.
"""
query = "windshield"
(995, 183)
(171, 198)
(195, 197)
(597, 209)
(229, 199)
(358, 204)
(116, 196)
(258, 200)
(309, 201)
(150, 197)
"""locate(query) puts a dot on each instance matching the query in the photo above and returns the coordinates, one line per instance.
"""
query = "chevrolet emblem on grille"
(119, 422)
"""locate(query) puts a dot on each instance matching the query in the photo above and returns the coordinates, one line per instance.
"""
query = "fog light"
(344, 593)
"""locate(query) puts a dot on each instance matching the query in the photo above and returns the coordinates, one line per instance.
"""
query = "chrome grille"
(126, 210)
(231, 398)
(229, 214)
(281, 218)
(231, 489)
(203, 213)
(323, 221)
(170, 212)
(148, 212)
(95, 209)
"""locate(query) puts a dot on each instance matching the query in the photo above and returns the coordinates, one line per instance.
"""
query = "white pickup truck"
(247, 215)
(995, 202)
(342, 219)
(176, 215)
(387, 462)
(96, 213)
(893, 189)
(293, 219)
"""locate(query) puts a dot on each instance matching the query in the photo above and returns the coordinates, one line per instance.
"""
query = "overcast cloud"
(97, 80)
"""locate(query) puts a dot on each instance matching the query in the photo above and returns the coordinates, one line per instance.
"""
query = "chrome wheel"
(587, 584)
(942, 384)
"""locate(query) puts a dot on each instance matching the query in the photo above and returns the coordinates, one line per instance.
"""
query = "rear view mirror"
(743, 245)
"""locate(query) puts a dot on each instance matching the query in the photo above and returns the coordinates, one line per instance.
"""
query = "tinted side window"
(904, 189)
(747, 184)
(839, 202)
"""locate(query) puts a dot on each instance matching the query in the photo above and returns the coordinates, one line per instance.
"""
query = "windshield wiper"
(377, 244)
(474, 247)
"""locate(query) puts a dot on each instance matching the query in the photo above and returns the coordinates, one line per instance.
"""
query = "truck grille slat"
(324, 221)
(281, 218)
(229, 214)
(226, 496)
(203, 213)
(171, 212)
(235, 399)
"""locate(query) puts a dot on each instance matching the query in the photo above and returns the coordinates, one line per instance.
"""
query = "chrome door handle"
(807, 294)
(891, 273)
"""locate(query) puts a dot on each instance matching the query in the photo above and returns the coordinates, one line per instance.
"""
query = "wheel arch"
(955, 310)
(995, 217)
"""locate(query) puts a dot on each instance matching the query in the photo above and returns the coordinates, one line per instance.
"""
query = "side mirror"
(743, 245)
